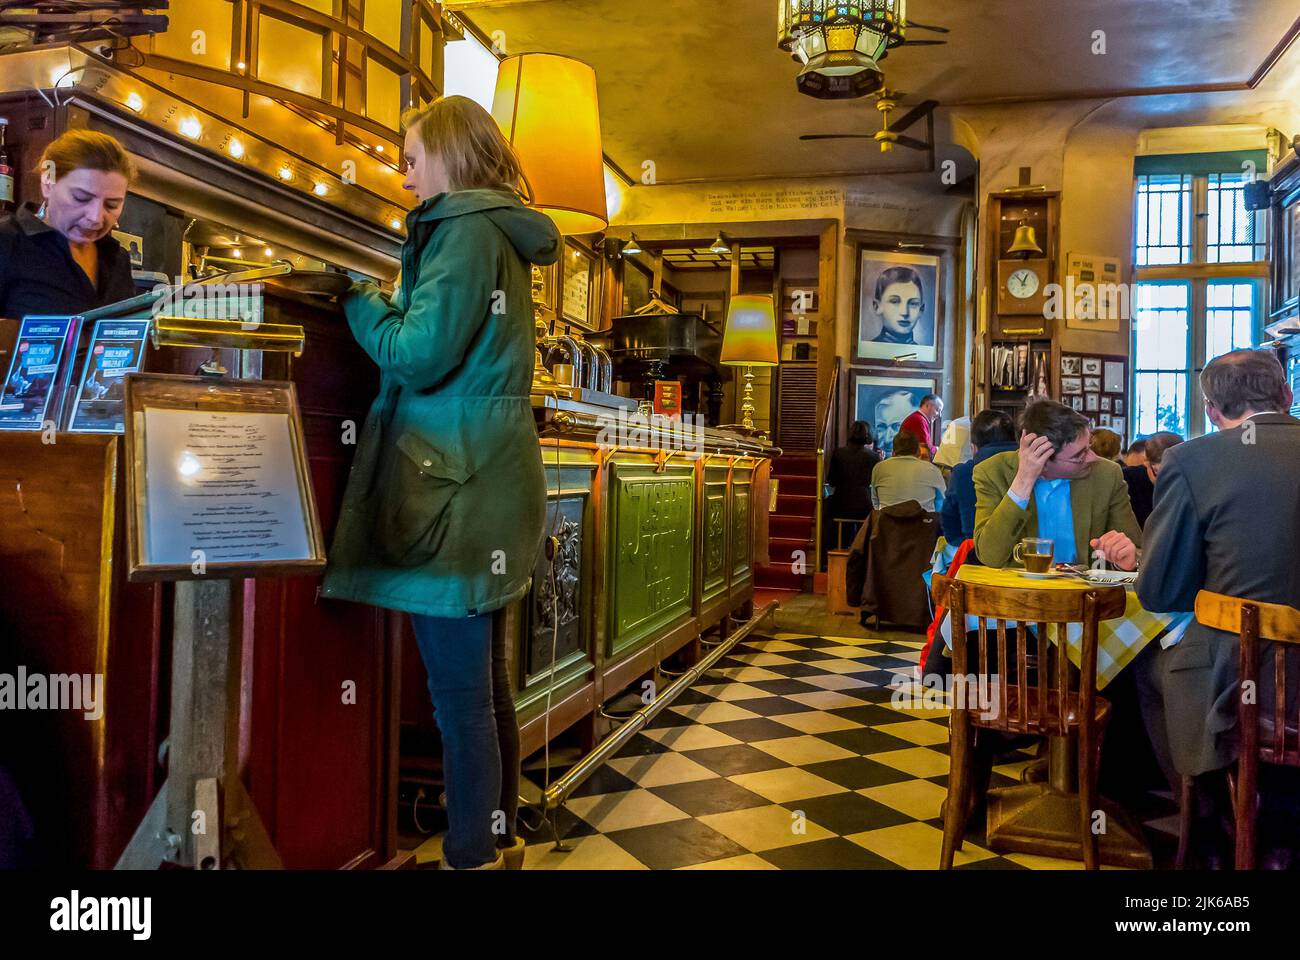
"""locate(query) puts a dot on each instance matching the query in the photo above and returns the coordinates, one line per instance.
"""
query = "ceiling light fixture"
(840, 44)
(286, 174)
(236, 148)
(135, 102)
(320, 189)
(720, 245)
(191, 128)
(632, 246)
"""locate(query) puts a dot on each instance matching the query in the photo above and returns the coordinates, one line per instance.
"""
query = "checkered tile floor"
(790, 754)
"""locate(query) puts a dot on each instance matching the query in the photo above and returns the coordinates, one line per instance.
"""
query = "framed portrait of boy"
(899, 309)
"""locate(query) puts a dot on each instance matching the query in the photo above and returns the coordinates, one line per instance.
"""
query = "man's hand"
(1118, 550)
(1035, 451)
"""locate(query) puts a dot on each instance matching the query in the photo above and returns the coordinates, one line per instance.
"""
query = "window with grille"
(1201, 259)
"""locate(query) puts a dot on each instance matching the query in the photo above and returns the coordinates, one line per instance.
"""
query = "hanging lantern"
(840, 44)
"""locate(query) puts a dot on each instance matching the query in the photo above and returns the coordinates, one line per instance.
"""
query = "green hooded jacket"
(445, 503)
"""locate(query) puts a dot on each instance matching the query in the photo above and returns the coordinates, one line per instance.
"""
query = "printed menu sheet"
(222, 483)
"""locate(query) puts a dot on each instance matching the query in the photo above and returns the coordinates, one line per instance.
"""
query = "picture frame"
(1070, 366)
(1071, 385)
(884, 400)
(1117, 408)
(1092, 366)
(186, 520)
(578, 286)
(905, 324)
(1113, 378)
(1105, 405)
(1091, 402)
(1103, 420)
(1076, 403)
(1092, 384)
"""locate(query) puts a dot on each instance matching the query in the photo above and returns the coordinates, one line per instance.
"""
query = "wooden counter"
(654, 550)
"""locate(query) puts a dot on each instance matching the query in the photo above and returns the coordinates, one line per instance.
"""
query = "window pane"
(1161, 403)
(1230, 322)
(1160, 319)
(1234, 234)
(1161, 314)
(1163, 219)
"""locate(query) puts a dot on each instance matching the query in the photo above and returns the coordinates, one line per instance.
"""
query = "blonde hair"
(1105, 443)
(472, 146)
(87, 150)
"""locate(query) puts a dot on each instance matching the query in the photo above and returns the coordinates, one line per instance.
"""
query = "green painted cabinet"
(713, 560)
(652, 535)
(741, 523)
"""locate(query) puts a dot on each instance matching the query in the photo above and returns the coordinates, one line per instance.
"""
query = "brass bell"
(1026, 240)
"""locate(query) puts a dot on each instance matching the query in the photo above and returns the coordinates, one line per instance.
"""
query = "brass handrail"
(827, 421)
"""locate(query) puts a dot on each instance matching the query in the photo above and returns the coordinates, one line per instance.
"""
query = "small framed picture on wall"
(1091, 402)
(1117, 407)
(1092, 384)
(1076, 403)
(1092, 366)
(1071, 385)
(899, 305)
(1070, 366)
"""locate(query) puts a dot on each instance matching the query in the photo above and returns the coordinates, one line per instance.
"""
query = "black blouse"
(39, 277)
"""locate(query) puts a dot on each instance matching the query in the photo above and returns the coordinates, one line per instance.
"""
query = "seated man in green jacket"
(1054, 487)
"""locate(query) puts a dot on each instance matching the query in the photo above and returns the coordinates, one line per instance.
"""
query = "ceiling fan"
(891, 133)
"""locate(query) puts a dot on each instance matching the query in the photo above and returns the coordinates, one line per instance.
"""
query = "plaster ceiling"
(703, 92)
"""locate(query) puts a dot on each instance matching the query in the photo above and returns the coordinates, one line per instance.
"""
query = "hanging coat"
(888, 559)
(445, 503)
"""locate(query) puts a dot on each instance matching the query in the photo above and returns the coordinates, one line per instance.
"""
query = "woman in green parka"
(445, 504)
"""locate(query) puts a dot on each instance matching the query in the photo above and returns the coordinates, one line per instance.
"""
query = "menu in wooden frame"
(217, 482)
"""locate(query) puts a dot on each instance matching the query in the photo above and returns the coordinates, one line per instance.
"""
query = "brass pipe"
(559, 791)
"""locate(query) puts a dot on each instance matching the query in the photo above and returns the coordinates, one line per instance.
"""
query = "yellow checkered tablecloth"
(1118, 640)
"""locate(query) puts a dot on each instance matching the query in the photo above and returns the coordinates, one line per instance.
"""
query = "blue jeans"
(469, 682)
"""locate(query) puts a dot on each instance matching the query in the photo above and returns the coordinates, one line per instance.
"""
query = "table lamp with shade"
(750, 341)
(546, 105)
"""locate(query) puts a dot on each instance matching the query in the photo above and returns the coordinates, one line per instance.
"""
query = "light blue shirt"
(1055, 516)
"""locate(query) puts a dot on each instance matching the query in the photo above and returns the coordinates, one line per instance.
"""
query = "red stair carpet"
(790, 528)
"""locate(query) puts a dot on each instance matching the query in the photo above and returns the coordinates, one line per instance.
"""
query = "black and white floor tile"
(793, 753)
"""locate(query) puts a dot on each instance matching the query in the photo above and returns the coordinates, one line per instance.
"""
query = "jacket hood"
(532, 234)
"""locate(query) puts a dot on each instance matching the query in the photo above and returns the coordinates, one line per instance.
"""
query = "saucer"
(1045, 575)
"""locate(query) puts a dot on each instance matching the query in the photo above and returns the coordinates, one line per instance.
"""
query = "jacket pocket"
(425, 481)
(1190, 654)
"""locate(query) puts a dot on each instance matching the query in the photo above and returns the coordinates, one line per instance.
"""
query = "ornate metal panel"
(741, 522)
(713, 566)
(652, 518)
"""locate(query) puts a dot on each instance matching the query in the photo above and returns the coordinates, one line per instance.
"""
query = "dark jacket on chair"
(1226, 519)
(889, 556)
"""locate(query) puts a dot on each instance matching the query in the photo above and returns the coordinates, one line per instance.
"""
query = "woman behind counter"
(444, 509)
(62, 259)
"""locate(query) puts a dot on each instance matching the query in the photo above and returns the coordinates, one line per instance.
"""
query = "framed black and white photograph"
(1071, 385)
(579, 286)
(1092, 366)
(1114, 376)
(899, 315)
(884, 402)
(1092, 384)
(1104, 419)
(1091, 402)
(1076, 403)
(1105, 406)
(1117, 408)
(1070, 366)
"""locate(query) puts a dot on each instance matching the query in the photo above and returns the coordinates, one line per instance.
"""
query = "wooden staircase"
(790, 527)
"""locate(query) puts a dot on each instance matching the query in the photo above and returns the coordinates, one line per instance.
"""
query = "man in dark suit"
(1225, 519)
(991, 432)
(1141, 479)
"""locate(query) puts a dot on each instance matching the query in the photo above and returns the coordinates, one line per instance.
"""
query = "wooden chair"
(1271, 737)
(1053, 705)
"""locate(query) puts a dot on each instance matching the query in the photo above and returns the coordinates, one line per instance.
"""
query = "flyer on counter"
(30, 384)
(116, 349)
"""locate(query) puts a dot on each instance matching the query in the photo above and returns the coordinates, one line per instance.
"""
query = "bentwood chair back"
(1055, 701)
(1270, 736)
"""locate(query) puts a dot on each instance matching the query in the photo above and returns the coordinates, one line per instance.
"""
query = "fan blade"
(923, 43)
(912, 142)
(838, 136)
(913, 115)
(913, 25)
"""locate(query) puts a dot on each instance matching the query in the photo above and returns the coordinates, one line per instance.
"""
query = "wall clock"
(1022, 286)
